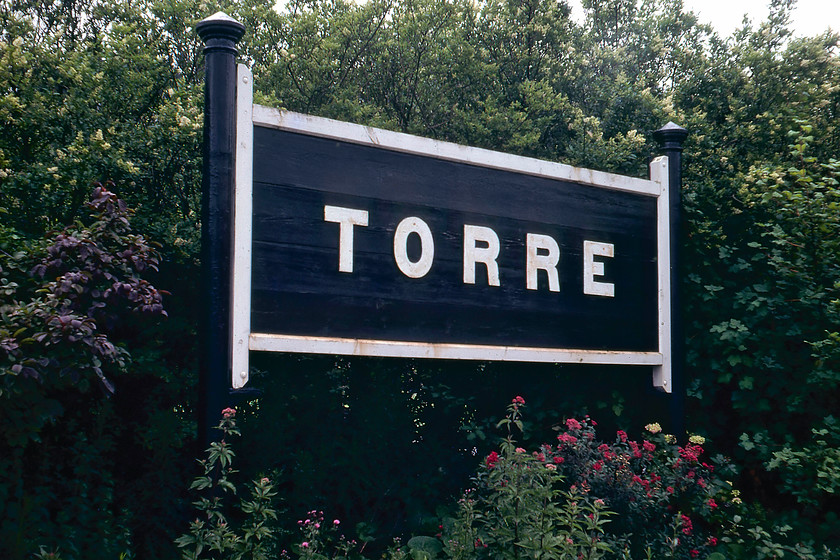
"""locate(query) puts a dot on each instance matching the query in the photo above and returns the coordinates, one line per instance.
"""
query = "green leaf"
(429, 545)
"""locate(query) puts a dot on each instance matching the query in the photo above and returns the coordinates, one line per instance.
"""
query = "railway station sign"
(359, 241)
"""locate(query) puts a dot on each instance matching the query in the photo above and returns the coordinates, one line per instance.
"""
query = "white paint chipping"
(486, 253)
(396, 141)
(541, 253)
(542, 259)
(399, 349)
(242, 201)
(593, 268)
(659, 175)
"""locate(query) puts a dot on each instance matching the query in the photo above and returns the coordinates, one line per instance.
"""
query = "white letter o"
(422, 266)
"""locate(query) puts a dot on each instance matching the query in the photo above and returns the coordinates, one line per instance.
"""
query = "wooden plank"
(298, 289)
(270, 117)
(384, 348)
(242, 242)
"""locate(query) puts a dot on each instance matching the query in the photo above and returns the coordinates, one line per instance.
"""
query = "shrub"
(662, 500)
(71, 304)
(578, 499)
(519, 508)
(212, 534)
(667, 498)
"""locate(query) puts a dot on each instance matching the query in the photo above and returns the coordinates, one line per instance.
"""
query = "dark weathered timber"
(671, 138)
(298, 290)
(220, 34)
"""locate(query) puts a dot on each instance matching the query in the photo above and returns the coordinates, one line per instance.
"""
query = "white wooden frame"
(244, 340)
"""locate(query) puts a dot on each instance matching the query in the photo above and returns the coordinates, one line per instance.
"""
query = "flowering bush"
(321, 538)
(667, 497)
(668, 500)
(211, 535)
(520, 508)
(578, 499)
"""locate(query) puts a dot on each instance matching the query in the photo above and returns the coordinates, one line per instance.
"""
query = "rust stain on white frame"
(244, 340)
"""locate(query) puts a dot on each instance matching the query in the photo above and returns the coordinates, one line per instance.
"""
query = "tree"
(104, 90)
(65, 322)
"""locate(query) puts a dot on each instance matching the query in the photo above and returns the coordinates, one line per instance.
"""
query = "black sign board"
(352, 240)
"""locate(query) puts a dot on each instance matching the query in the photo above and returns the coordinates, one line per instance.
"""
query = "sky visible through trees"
(109, 93)
(809, 17)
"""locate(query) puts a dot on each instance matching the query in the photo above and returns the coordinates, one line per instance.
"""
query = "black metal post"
(220, 34)
(671, 138)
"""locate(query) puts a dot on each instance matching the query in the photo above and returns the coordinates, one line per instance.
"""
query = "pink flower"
(517, 400)
(558, 460)
(573, 424)
(622, 435)
(264, 480)
(336, 522)
(520, 450)
(670, 489)
(606, 453)
(566, 438)
(712, 503)
(649, 447)
(491, 460)
(597, 466)
(694, 553)
(687, 527)
(304, 544)
(228, 413)
(712, 541)
(691, 452)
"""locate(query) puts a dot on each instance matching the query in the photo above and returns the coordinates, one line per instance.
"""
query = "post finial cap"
(220, 26)
(671, 135)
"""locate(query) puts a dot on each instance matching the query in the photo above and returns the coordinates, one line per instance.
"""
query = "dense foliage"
(211, 533)
(73, 304)
(580, 498)
(96, 399)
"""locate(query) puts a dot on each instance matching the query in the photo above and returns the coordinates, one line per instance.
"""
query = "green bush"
(581, 498)
(72, 302)
(99, 90)
(520, 508)
(212, 535)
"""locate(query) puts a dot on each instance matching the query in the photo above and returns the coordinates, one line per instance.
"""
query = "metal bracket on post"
(671, 138)
(220, 34)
